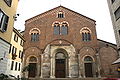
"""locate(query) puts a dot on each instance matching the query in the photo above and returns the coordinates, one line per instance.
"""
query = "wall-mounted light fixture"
(15, 16)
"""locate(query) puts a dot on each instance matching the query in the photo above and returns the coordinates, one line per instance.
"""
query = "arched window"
(86, 34)
(32, 59)
(35, 33)
(60, 55)
(56, 28)
(60, 14)
(34, 37)
(88, 58)
(60, 28)
(64, 29)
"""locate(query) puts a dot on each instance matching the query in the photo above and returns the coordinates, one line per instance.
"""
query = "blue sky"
(95, 9)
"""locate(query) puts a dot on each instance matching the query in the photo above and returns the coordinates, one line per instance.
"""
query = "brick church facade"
(61, 43)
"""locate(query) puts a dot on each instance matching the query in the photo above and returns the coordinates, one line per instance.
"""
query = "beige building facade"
(61, 43)
(15, 57)
(7, 16)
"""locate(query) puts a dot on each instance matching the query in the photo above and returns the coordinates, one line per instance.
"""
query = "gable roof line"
(19, 34)
(56, 8)
(42, 13)
(78, 13)
(107, 42)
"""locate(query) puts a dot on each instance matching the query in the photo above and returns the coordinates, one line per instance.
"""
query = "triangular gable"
(36, 17)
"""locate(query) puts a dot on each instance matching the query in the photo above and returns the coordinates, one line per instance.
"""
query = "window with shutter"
(3, 21)
(8, 2)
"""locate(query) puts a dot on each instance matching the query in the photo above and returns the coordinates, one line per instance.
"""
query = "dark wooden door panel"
(60, 68)
(32, 70)
(88, 70)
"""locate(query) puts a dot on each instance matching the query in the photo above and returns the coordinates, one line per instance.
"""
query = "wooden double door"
(60, 69)
(32, 70)
(88, 70)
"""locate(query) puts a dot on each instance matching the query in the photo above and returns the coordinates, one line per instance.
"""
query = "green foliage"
(3, 76)
(28, 68)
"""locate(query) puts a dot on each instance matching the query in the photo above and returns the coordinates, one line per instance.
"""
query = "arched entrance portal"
(60, 63)
(32, 67)
(88, 63)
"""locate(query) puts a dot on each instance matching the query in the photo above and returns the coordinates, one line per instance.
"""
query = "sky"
(94, 9)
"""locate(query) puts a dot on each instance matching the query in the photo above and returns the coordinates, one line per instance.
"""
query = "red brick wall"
(76, 23)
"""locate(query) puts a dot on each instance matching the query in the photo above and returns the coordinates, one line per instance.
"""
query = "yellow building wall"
(18, 60)
(18, 46)
(9, 11)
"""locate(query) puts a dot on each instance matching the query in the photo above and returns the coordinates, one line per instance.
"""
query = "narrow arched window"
(60, 28)
(32, 37)
(37, 37)
(35, 33)
(64, 29)
(60, 14)
(89, 36)
(82, 36)
(56, 28)
(86, 34)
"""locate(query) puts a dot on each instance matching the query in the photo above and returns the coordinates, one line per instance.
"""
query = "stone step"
(69, 79)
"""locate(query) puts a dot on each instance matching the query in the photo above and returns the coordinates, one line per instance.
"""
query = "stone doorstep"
(69, 79)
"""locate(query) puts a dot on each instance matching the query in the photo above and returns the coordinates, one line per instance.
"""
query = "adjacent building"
(114, 8)
(62, 43)
(15, 57)
(7, 17)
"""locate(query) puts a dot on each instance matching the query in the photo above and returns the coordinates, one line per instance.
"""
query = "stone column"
(26, 74)
(69, 75)
(79, 66)
(50, 67)
(94, 69)
(52, 70)
(67, 67)
(98, 65)
(23, 65)
(41, 76)
(38, 70)
(83, 70)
